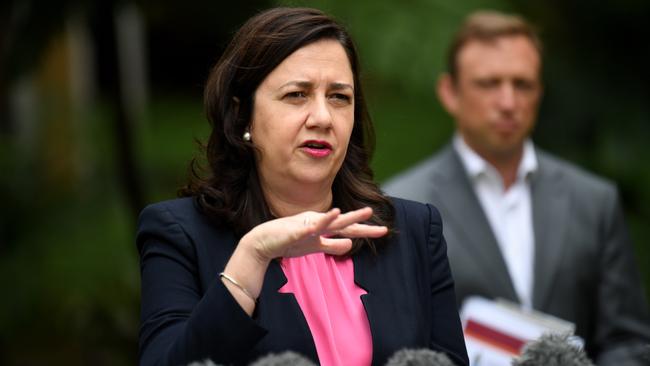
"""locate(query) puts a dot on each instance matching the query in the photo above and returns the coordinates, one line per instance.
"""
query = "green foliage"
(71, 263)
(175, 128)
(69, 266)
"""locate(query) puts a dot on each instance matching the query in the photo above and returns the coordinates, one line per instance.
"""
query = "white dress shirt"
(509, 212)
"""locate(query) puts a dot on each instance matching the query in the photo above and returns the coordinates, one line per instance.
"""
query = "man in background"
(522, 224)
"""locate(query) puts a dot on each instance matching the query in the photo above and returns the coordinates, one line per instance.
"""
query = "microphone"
(206, 362)
(552, 349)
(419, 357)
(283, 359)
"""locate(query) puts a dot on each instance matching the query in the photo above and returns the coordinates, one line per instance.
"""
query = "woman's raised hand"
(309, 232)
(292, 236)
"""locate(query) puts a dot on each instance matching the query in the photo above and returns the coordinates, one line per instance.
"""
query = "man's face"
(495, 97)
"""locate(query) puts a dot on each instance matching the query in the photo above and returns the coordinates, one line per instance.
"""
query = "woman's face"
(303, 116)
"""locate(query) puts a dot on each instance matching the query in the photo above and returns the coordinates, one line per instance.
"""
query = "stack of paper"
(496, 331)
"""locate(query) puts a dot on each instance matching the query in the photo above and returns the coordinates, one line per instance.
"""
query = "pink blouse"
(330, 301)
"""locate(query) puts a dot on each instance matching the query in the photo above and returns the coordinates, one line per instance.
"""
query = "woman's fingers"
(351, 217)
(362, 231)
(348, 225)
(330, 232)
(314, 223)
(334, 223)
(335, 246)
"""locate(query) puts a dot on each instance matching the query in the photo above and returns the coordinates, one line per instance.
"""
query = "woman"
(285, 245)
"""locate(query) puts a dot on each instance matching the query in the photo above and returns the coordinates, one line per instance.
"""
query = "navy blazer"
(189, 315)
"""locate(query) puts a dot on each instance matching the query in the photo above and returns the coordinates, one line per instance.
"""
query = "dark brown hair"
(230, 192)
(488, 26)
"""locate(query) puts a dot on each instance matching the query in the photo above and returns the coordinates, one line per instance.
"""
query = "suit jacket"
(584, 269)
(189, 315)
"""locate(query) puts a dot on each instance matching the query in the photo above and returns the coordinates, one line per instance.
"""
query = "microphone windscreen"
(283, 359)
(552, 350)
(419, 357)
(206, 362)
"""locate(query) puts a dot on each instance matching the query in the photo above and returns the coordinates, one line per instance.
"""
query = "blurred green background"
(100, 107)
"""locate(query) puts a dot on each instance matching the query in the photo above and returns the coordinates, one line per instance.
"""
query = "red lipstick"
(316, 148)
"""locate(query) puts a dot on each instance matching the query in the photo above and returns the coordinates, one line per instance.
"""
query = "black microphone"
(419, 357)
(283, 359)
(552, 349)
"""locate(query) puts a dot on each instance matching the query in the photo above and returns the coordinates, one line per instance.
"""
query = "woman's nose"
(319, 113)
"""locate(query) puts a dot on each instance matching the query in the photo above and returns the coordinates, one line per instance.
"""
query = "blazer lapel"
(369, 280)
(462, 212)
(381, 300)
(550, 203)
(283, 313)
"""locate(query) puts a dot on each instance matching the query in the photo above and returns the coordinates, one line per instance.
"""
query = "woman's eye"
(295, 95)
(342, 98)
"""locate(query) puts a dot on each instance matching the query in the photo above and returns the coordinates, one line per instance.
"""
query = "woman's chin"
(316, 177)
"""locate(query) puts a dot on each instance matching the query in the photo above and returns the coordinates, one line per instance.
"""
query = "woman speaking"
(282, 240)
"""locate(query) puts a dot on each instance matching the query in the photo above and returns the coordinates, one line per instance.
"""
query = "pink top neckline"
(330, 301)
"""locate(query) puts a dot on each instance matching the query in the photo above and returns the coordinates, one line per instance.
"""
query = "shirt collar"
(477, 166)
(474, 164)
(528, 164)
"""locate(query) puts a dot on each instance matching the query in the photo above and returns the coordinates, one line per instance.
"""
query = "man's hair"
(488, 26)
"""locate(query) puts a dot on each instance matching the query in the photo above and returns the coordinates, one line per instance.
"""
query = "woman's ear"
(236, 102)
(247, 134)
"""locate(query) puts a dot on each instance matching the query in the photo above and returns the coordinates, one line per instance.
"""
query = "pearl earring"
(247, 136)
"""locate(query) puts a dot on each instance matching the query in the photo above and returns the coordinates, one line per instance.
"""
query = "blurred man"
(522, 224)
